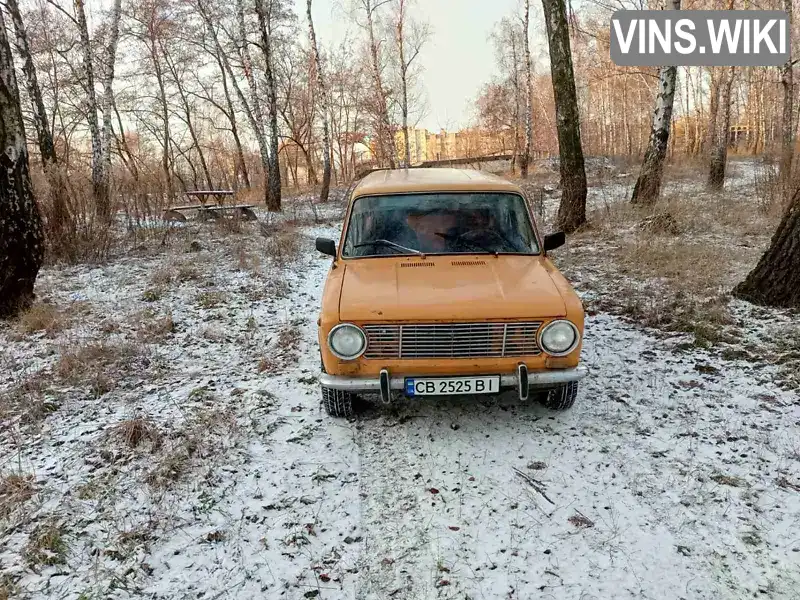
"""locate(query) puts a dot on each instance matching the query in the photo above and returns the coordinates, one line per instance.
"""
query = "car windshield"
(440, 223)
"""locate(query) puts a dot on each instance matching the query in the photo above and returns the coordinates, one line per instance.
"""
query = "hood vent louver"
(417, 264)
(468, 263)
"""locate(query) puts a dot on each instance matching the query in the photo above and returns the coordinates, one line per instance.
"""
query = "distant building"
(446, 145)
(417, 142)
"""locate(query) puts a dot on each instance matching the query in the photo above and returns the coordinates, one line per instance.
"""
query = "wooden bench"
(212, 206)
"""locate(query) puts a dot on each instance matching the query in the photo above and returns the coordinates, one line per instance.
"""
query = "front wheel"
(561, 397)
(337, 403)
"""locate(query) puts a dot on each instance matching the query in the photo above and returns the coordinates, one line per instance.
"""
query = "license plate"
(452, 385)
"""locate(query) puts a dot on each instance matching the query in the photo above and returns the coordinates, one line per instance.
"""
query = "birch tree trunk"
(411, 36)
(572, 212)
(100, 193)
(21, 236)
(526, 157)
(231, 114)
(59, 212)
(517, 111)
(324, 109)
(251, 108)
(162, 99)
(385, 137)
(719, 148)
(40, 120)
(776, 279)
(274, 186)
(256, 114)
(787, 118)
(648, 185)
(401, 49)
(110, 59)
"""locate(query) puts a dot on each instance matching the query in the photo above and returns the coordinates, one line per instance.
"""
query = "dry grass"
(246, 260)
(283, 350)
(201, 437)
(178, 272)
(153, 294)
(671, 267)
(98, 364)
(283, 246)
(8, 589)
(26, 401)
(163, 276)
(46, 546)
(137, 431)
(15, 490)
(42, 316)
(152, 328)
(230, 225)
(210, 299)
(644, 256)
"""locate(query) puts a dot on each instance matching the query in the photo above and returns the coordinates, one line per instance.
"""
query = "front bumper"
(523, 380)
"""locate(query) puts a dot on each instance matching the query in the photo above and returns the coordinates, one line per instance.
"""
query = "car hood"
(451, 288)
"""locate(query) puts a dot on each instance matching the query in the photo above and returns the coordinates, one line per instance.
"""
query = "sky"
(457, 60)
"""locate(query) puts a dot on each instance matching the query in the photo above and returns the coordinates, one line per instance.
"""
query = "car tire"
(561, 397)
(337, 403)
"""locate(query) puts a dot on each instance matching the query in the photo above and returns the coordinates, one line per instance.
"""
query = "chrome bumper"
(536, 379)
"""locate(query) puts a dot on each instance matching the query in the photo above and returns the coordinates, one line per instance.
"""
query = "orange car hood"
(456, 288)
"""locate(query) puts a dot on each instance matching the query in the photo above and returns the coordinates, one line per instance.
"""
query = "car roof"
(399, 181)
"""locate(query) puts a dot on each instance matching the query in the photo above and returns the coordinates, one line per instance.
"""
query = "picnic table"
(212, 206)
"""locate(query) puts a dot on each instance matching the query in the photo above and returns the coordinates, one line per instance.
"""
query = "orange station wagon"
(441, 285)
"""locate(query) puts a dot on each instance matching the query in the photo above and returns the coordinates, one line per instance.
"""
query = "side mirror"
(554, 240)
(326, 246)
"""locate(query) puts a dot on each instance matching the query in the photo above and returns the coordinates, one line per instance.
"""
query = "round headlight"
(559, 338)
(347, 342)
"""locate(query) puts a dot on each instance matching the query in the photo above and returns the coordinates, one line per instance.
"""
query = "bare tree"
(41, 123)
(720, 133)
(177, 68)
(385, 141)
(500, 104)
(21, 237)
(266, 15)
(98, 180)
(572, 212)
(40, 119)
(228, 109)
(110, 58)
(648, 185)
(152, 27)
(787, 117)
(257, 111)
(410, 36)
(324, 109)
(252, 105)
(526, 156)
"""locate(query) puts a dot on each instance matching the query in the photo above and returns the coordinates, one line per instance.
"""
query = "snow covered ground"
(165, 440)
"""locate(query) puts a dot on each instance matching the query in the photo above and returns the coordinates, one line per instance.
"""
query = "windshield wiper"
(391, 245)
(460, 239)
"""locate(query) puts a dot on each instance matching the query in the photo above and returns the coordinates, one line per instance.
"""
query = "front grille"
(452, 340)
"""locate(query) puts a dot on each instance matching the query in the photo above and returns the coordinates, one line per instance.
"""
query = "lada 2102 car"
(441, 285)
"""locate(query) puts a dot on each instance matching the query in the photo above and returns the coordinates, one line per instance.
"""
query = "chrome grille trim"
(453, 340)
